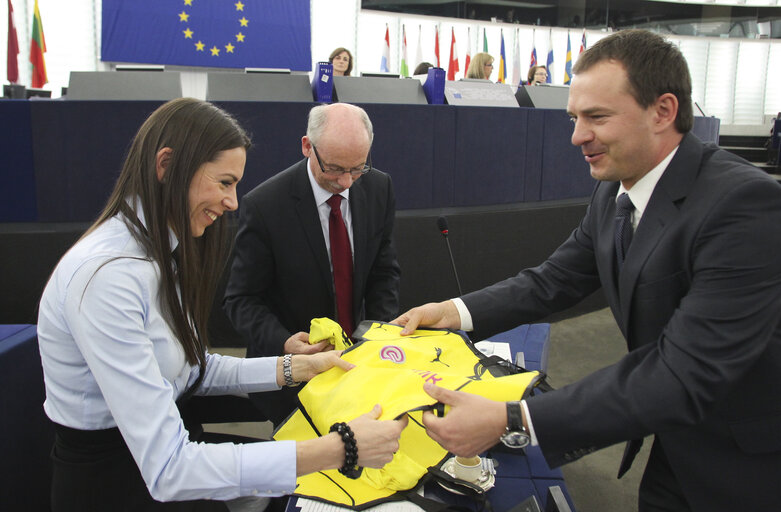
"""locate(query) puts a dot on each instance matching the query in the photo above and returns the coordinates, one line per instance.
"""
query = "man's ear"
(162, 159)
(306, 146)
(666, 110)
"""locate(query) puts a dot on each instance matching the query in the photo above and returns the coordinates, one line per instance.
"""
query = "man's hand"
(441, 315)
(377, 440)
(299, 344)
(472, 425)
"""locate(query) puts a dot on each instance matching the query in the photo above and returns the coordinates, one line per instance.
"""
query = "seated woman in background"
(537, 75)
(342, 60)
(122, 333)
(481, 66)
(422, 68)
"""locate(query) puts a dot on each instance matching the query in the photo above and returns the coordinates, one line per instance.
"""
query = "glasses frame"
(352, 172)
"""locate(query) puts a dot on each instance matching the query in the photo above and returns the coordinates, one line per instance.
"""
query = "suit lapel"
(358, 212)
(306, 209)
(663, 207)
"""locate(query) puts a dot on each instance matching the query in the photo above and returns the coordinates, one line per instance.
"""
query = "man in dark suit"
(697, 295)
(284, 272)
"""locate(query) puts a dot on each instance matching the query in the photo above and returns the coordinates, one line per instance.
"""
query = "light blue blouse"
(110, 359)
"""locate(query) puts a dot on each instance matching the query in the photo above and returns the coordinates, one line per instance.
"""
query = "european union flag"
(213, 33)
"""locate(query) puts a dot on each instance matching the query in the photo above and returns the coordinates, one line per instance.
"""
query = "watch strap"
(514, 417)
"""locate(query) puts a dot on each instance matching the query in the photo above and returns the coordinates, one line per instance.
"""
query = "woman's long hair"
(197, 132)
(477, 65)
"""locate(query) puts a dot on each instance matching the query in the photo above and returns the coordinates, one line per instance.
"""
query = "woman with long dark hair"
(122, 330)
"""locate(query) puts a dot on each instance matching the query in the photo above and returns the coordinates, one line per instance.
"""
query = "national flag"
(550, 59)
(236, 34)
(436, 45)
(452, 67)
(533, 58)
(517, 59)
(568, 64)
(468, 50)
(485, 42)
(12, 68)
(37, 49)
(583, 42)
(404, 68)
(419, 51)
(385, 62)
(502, 62)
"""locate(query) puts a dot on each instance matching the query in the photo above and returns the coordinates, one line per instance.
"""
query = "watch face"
(515, 439)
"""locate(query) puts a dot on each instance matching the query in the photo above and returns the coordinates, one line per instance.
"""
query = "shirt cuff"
(268, 469)
(257, 374)
(529, 426)
(463, 312)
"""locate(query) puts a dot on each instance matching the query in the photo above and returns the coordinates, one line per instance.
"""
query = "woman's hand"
(305, 367)
(377, 440)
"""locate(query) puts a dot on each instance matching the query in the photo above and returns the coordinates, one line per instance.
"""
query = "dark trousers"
(659, 489)
(94, 471)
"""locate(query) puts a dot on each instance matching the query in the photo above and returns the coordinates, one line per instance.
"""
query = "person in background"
(342, 61)
(316, 240)
(481, 66)
(123, 343)
(682, 238)
(537, 75)
(422, 68)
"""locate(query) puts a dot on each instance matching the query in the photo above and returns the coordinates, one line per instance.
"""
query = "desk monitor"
(280, 71)
(380, 75)
(479, 93)
(254, 86)
(139, 67)
(124, 85)
(371, 89)
(543, 96)
(38, 93)
(14, 91)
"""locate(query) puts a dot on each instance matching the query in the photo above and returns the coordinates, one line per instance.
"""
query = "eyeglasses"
(333, 170)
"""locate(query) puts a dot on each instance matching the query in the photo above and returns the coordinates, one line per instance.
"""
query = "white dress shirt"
(324, 212)
(110, 359)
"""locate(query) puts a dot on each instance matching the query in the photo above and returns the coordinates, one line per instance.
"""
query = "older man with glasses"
(316, 240)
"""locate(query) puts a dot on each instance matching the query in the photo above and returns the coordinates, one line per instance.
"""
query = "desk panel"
(17, 194)
(62, 157)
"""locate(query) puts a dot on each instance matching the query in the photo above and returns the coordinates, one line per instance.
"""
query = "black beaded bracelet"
(350, 469)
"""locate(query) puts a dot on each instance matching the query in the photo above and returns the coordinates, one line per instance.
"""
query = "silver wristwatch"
(515, 435)
(287, 370)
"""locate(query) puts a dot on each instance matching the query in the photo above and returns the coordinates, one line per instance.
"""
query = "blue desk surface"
(27, 434)
(518, 475)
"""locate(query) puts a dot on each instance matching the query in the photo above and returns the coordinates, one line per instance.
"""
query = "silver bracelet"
(287, 370)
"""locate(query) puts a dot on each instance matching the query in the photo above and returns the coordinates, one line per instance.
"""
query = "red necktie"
(342, 260)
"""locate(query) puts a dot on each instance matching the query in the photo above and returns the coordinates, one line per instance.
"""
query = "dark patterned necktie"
(623, 224)
(342, 260)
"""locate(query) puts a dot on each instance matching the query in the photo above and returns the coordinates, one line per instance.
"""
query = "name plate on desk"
(479, 93)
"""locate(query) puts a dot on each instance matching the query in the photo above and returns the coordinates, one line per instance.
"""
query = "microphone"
(442, 225)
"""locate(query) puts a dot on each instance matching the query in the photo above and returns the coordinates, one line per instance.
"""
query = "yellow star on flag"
(188, 2)
(188, 34)
(244, 21)
(215, 51)
(229, 48)
(240, 37)
(199, 46)
(183, 16)
(239, 6)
